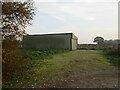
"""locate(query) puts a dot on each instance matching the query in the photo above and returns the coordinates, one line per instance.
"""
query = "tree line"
(102, 41)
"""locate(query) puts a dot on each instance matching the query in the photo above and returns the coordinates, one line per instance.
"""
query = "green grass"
(39, 54)
(113, 55)
(59, 64)
(35, 67)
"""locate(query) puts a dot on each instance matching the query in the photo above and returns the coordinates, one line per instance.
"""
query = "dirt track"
(92, 77)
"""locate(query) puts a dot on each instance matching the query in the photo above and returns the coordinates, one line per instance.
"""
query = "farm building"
(52, 41)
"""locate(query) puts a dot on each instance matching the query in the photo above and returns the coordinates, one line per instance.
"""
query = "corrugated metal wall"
(53, 41)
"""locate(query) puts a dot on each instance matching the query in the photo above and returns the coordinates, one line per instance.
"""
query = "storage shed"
(52, 41)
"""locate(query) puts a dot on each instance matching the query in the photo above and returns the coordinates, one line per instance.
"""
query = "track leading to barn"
(79, 69)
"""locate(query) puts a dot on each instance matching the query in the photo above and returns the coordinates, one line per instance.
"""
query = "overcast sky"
(85, 18)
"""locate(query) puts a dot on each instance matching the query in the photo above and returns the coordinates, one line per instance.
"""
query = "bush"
(12, 61)
(93, 47)
(39, 54)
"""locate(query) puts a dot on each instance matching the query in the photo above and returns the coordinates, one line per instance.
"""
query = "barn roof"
(73, 36)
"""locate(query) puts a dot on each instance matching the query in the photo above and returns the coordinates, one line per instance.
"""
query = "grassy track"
(65, 65)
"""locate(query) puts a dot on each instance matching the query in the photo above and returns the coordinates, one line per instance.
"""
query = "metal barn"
(52, 41)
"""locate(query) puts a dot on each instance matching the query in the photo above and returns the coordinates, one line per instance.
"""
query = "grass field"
(48, 72)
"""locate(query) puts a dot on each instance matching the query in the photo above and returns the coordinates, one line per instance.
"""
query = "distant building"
(52, 41)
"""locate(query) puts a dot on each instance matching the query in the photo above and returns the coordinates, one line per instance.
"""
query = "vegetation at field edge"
(59, 65)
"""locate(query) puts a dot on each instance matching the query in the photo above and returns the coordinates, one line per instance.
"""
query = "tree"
(99, 40)
(16, 16)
